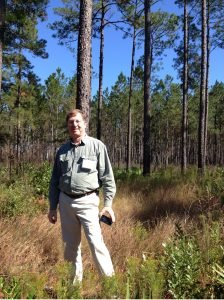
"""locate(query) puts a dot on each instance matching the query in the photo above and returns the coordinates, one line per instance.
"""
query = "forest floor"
(150, 214)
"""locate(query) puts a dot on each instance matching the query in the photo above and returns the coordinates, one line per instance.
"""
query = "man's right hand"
(108, 210)
(52, 216)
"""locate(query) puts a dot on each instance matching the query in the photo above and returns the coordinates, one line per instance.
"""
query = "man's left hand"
(108, 210)
(52, 216)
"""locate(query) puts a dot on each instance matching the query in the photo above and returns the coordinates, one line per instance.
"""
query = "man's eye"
(74, 122)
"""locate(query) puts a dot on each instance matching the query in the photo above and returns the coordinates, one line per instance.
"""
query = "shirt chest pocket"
(89, 164)
(65, 163)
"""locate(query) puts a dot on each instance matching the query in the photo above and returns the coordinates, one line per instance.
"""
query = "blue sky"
(117, 54)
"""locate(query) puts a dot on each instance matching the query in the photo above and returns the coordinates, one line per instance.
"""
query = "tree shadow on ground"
(152, 214)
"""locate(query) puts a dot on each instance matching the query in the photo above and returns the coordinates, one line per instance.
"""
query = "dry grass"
(28, 244)
(34, 243)
(143, 222)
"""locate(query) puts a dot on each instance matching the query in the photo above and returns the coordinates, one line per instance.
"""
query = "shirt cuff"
(108, 203)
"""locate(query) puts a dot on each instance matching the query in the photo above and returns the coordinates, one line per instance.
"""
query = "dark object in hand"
(106, 220)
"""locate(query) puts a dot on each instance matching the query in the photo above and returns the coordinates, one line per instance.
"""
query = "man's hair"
(73, 113)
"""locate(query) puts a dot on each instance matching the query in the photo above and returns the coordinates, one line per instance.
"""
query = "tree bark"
(18, 122)
(201, 128)
(185, 93)
(84, 58)
(207, 80)
(147, 96)
(2, 29)
(128, 163)
(100, 100)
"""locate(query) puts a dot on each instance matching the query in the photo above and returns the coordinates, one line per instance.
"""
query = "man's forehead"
(76, 117)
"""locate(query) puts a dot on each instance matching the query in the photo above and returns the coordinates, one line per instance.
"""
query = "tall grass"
(166, 242)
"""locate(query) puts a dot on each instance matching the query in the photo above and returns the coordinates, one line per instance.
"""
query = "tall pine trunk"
(84, 58)
(100, 100)
(185, 93)
(129, 139)
(18, 121)
(2, 29)
(215, 152)
(147, 87)
(207, 80)
(201, 127)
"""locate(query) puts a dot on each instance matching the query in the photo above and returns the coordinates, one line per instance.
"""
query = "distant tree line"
(145, 122)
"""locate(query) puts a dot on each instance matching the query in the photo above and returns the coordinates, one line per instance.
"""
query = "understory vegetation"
(167, 241)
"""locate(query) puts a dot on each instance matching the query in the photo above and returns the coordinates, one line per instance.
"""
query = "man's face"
(76, 127)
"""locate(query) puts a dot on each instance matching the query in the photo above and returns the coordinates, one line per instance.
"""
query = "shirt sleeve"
(54, 184)
(106, 177)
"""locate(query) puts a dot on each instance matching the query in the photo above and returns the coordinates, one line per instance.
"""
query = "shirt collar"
(83, 141)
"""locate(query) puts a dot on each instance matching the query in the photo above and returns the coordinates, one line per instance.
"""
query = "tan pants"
(84, 212)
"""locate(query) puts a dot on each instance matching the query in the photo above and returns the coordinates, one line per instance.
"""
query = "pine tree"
(201, 127)
(2, 32)
(21, 34)
(147, 91)
(132, 14)
(84, 58)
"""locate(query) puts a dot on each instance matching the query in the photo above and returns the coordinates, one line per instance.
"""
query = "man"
(81, 167)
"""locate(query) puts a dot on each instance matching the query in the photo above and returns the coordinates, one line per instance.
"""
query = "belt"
(81, 195)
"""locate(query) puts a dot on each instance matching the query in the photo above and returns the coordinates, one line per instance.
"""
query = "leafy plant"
(145, 278)
(41, 178)
(219, 271)
(132, 287)
(182, 263)
(217, 284)
(10, 287)
(140, 232)
(26, 286)
(210, 242)
(152, 279)
(66, 288)
(111, 287)
(16, 200)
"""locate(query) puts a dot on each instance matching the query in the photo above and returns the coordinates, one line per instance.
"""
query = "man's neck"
(78, 140)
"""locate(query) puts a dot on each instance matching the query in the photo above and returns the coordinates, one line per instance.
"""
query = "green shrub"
(41, 179)
(182, 262)
(132, 273)
(140, 232)
(17, 199)
(219, 273)
(152, 279)
(10, 288)
(189, 261)
(216, 288)
(211, 185)
(210, 241)
(112, 287)
(25, 193)
(65, 289)
(25, 286)
(145, 278)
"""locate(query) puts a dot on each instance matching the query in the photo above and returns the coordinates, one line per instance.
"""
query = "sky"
(117, 54)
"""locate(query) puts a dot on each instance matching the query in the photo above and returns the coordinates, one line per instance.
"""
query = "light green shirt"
(80, 169)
